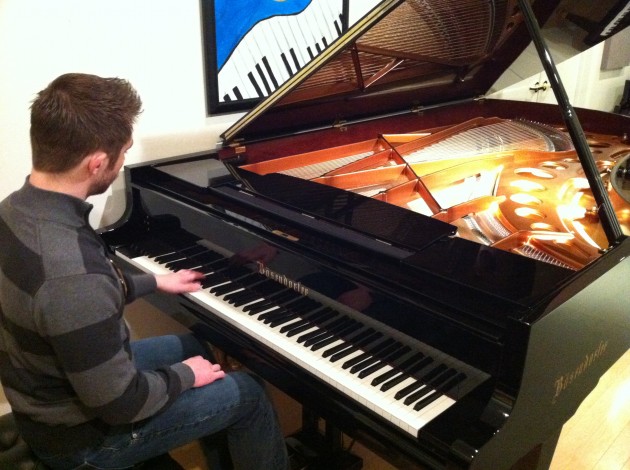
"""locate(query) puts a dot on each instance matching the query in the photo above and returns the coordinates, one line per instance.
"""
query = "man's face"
(110, 172)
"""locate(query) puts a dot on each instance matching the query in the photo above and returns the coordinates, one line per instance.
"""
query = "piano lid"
(405, 55)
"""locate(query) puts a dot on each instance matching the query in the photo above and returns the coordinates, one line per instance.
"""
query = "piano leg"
(539, 458)
(320, 450)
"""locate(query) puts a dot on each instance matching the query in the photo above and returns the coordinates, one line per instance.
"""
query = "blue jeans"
(236, 404)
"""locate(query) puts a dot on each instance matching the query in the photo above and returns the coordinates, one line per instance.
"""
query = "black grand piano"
(437, 274)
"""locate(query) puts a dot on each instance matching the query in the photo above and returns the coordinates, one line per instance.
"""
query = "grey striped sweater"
(65, 361)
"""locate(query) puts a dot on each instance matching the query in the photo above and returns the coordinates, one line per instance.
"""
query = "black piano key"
(295, 59)
(409, 373)
(310, 52)
(149, 247)
(318, 322)
(382, 363)
(309, 338)
(270, 72)
(421, 382)
(268, 317)
(318, 47)
(343, 329)
(269, 309)
(293, 312)
(179, 254)
(276, 300)
(369, 351)
(255, 85)
(250, 292)
(281, 320)
(330, 323)
(307, 315)
(170, 256)
(211, 268)
(212, 265)
(227, 98)
(338, 25)
(426, 400)
(357, 331)
(324, 42)
(296, 306)
(226, 288)
(242, 297)
(184, 259)
(285, 298)
(297, 327)
(400, 368)
(168, 242)
(309, 322)
(326, 331)
(199, 259)
(286, 64)
(285, 303)
(214, 279)
(324, 342)
(237, 93)
(266, 290)
(238, 278)
(374, 356)
(370, 338)
(440, 391)
(430, 388)
(257, 307)
(452, 383)
(303, 304)
(262, 77)
(303, 322)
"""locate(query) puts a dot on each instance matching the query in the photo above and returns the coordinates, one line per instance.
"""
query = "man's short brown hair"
(78, 114)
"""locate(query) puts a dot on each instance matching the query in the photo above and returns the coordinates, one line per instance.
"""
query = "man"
(83, 395)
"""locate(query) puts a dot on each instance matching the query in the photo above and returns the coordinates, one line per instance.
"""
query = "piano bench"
(15, 453)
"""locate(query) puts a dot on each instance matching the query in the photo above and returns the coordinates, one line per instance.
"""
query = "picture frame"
(251, 47)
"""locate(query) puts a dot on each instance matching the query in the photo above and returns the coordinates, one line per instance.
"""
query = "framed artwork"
(251, 47)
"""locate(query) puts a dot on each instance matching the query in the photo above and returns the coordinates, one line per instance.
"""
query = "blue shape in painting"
(235, 18)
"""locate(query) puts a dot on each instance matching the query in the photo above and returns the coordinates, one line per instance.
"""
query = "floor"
(597, 437)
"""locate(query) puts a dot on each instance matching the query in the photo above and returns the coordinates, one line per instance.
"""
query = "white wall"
(586, 83)
(156, 44)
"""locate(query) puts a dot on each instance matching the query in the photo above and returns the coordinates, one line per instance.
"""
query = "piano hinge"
(341, 125)
(417, 110)
(237, 146)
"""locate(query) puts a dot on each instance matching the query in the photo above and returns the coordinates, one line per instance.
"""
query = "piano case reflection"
(437, 274)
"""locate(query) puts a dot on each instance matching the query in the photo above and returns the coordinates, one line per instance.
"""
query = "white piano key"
(300, 42)
(270, 43)
(240, 77)
(325, 24)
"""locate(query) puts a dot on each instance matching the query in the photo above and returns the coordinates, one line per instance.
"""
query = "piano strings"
(514, 185)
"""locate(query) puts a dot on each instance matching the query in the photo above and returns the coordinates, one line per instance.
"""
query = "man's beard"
(99, 187)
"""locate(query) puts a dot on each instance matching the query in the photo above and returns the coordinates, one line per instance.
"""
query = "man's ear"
(96, 161)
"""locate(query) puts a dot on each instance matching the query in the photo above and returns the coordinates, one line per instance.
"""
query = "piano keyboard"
(404, 381)
(277, 48)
